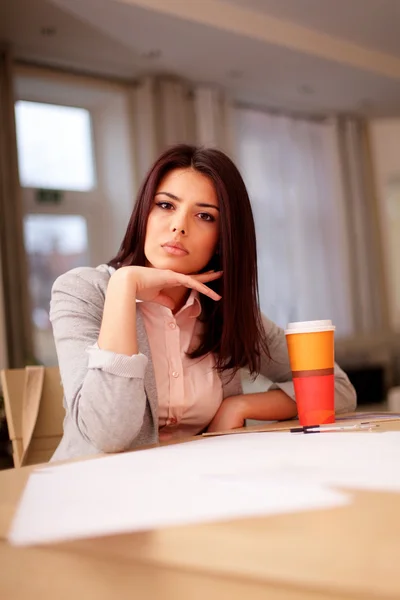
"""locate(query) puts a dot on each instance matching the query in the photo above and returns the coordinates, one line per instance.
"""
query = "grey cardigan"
(110, 400)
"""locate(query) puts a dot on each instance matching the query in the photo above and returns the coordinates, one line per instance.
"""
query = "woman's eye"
(206, 217)
(165, 205)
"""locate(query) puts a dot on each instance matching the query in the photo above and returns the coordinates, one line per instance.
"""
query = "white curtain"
(292, 171)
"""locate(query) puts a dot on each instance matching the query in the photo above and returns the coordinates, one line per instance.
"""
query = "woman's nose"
(179, 225)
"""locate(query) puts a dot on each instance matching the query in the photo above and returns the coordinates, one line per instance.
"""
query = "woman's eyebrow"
(203, 205)
(200, 204)
(169, 195)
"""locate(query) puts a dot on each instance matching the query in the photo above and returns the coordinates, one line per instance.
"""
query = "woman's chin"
(173, 264)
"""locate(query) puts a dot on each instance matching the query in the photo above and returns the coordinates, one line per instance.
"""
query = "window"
(85, 153)
(54, 146)
(54, 244)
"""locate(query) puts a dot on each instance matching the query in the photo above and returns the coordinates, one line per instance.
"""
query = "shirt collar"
(192, 304)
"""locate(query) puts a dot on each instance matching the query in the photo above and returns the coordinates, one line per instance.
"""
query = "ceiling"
(371, 23)
(307, 56)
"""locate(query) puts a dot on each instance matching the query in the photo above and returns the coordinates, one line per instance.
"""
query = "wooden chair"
(33, 399)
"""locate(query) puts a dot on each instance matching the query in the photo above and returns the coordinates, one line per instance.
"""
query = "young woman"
(150, 345)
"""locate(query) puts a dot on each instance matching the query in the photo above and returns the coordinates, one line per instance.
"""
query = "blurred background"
(304, 95)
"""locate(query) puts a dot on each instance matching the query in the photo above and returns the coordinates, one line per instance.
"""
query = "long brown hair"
(233, 329)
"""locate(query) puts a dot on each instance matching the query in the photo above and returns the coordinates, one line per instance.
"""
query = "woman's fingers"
(190, 282)
(195, 282)
(205, 277)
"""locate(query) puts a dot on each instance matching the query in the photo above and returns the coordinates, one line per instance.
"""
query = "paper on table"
(210, 479)
(173, 485)
(355, 460)
(375, 417)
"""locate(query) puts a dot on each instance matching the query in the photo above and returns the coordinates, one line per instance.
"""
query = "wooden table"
(347, 552)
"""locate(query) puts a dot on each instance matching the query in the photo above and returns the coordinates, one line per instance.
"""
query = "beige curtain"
(13, 265)
(214, 118)
(161, 111)
(168, 111)
(368, 285)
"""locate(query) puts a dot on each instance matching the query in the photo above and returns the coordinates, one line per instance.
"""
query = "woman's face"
(183, 225)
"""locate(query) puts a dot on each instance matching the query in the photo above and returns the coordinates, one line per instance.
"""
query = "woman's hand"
(118, 327)
(230, 415)
(273, 405)
(149, 283)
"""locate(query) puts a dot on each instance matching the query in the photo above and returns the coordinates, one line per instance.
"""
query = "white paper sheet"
(211, 479)
(173, 485)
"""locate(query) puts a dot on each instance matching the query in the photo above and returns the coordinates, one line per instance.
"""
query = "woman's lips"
(175, 249)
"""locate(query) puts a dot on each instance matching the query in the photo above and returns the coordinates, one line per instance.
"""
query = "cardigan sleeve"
(103, 392)
(277, 369)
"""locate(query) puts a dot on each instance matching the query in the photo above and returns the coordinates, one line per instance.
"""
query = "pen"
(330, 428)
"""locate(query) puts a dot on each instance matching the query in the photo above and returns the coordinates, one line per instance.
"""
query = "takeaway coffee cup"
(312, 359)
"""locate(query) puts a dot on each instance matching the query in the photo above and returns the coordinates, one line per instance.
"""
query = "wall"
(3, 344)
(385, 148)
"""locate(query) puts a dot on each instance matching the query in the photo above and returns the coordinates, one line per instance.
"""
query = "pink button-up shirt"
(189, 390)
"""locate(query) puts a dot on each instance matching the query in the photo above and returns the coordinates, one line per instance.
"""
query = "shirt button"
(172, 326)
(175, 374)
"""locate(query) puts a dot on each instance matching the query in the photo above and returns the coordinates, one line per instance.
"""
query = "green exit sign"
(44, 196)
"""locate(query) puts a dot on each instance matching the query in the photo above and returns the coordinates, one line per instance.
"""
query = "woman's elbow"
(111, 443)
(345, 399)
(108, 436)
